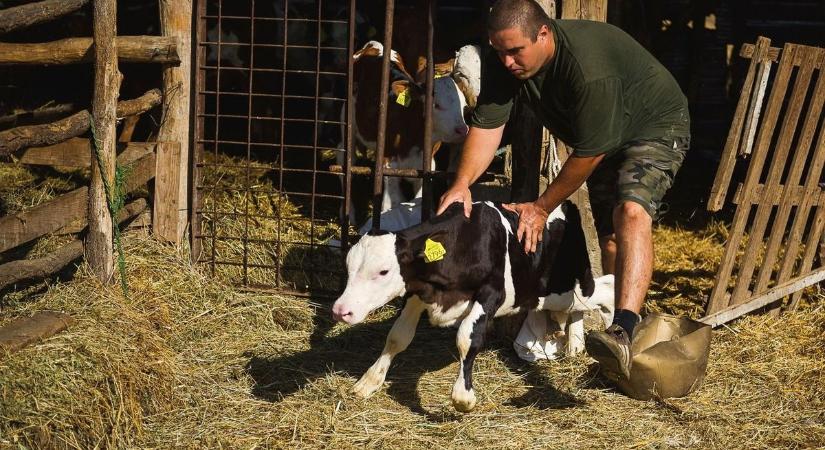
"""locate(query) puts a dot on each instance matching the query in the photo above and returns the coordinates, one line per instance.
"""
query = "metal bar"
(281, 156)
(315, 135)
(268, 70)
(426, 183)
(378, 182)
(350, 113)
(198, 88)
(274, 119)
(217, 126)
(248, 171)
(278, 19)
(245, 44)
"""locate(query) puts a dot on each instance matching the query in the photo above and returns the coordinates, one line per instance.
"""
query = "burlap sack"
(670, 356)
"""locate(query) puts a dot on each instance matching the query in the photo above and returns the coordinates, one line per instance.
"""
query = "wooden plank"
(772, 54)
(730, 313)
(755, 109)
(136, 49)
(790, 191)
(128, 128)
(166, 206)
(176, 23)
(796, 194)
(811, 248)
(99, 238)
(76, 152)
(777, 168)
(727, 160)
(584, 9)
(78, 123)
(718, 299)
(28, 330)
(33, 13)
(28, 269)
(25, 226)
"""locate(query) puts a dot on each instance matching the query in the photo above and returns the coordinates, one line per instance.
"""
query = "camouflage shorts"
(640, 172)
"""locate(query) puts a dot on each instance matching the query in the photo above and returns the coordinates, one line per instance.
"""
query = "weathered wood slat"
(176, 22)
(732, 312)
(52, 133)
(755, 108)
(727, 160)
(790, 190)
(40, 115)
(811, 247)
(795, 195)
(75, 152)
(777, 168)
(136, 49)
(30, 14)
(718, 299)
(25, 226)
(29, 269)
(774, 54)
(26, 331)
(167, 182)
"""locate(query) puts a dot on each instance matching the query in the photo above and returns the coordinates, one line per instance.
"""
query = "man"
(624, 115)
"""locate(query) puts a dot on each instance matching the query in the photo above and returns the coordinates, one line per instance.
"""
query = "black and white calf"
(467, 271)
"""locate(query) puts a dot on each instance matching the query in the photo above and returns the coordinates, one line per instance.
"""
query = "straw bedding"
(187, 361)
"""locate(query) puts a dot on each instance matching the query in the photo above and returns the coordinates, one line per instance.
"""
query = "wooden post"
(584, 9)
(175, 22)
(106, 88)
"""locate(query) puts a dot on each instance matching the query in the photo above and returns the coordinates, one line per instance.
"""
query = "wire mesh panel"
(272, 84)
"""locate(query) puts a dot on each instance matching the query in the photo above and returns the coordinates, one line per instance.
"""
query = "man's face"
(520, 54)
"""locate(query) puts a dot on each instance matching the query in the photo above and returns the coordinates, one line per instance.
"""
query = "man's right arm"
(476, 155)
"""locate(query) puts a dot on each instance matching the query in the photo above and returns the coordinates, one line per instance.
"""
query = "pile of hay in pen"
(187, 361)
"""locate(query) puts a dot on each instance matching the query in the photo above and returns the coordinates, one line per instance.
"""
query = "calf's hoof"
(366, 386)
(464, 401)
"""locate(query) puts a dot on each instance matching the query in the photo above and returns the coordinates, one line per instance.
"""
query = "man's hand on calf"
(530, 223)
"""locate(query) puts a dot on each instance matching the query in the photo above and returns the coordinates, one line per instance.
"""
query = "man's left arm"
(533, 215)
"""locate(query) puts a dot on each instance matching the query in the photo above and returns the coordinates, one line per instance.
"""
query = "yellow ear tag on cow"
(433, 251)
(403, 98)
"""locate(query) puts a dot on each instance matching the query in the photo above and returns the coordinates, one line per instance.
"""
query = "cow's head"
(449, 106)
(374, 278)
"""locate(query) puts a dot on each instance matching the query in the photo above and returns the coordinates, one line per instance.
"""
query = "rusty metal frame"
(206, 236)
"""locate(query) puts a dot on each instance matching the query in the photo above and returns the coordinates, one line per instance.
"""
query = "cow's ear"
(434, 240)
(404, 250)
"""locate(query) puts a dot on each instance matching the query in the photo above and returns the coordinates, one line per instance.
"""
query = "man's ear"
(543, 33)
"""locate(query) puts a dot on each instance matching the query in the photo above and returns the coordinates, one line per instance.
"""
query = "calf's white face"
(448, 112)
(374, 278)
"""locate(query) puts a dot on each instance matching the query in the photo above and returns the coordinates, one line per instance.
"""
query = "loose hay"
(188, 362)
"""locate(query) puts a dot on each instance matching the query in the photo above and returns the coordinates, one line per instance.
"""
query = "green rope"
(115, 202)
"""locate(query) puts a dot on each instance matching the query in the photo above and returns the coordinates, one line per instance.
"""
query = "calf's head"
(374, 278)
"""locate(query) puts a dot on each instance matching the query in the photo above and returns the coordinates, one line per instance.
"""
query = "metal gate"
(271, 82)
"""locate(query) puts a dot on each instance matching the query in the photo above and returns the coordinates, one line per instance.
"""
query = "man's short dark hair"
(527, 15)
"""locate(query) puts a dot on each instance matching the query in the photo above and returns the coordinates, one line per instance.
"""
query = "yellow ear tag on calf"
(433, 251)
(403, 98)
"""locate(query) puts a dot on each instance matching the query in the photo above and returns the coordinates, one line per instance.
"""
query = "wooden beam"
(33, 13)
(29, 269)
(99, 239)
(772, 53)
(167, 181)
(76, 152)
(22, 227)
(584, 9)
(176, 23)
(72, 126)
(135, 49)
(28, 330)
(733, 312)
(39, 115)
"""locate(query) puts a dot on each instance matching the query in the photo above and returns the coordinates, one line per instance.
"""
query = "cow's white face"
(374, 278)
(448, 112)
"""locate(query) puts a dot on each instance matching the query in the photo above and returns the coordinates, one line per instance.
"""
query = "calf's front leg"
(470, 340)
(400, 336)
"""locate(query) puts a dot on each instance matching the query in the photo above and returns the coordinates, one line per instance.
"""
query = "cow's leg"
(575, 333)
(470, 339)
(400, 336)
(573, 300)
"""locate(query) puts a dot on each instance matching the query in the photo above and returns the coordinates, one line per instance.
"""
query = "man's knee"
(629, 211)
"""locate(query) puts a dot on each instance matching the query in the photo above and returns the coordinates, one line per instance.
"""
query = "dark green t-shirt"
(601, 89)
